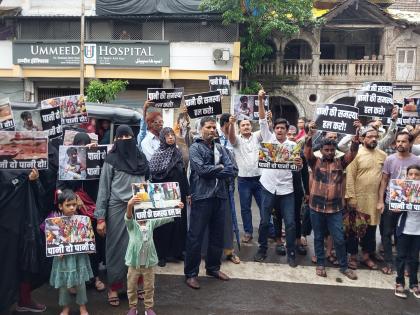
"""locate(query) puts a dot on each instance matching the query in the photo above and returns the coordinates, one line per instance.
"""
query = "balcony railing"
(340, 70)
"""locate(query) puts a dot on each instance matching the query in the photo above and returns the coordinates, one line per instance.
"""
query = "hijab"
(124, 155)
(166, 157)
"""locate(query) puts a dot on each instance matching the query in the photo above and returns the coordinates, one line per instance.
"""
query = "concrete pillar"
(29, 90)
(315, 64)
(388, 67)
(168, 113)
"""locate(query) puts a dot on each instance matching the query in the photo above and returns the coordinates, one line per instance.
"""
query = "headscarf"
(124, 155)
(166, 157)
(81, 138)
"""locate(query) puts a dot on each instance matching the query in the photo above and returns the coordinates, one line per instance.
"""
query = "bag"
(355, 222)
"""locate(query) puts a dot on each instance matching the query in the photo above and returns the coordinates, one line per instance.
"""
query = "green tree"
(104, 92)
(260, 19)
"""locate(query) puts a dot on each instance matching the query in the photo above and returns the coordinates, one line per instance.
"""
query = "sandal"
(320, 271)
(247, 238)
(399, 291)
(313, 259)
(352, 263)
(99, 285)
(349, 274)
(140, 294)
(233, 258)
(387, 270)
(370, 264)
(113, 300)
(333, 260)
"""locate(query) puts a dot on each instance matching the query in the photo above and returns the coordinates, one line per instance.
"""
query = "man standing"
(395, 167)
(277, 188)
(362, 183)
(326, 198)
(210, 167)
(149, 142)
(245, 147)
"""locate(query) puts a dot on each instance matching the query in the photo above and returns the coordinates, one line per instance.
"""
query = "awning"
(10, 11)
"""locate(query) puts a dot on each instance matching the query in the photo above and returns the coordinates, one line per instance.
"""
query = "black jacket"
(208, 180)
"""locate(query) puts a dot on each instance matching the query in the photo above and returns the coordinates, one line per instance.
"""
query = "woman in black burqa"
(123, 166)
(166, 165)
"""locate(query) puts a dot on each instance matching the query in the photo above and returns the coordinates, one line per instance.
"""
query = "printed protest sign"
(279, 156)
(165, 98)
(384, 87)
(404, 194)
(80, 162)
(203, 104)
(411, 110)
(69, 235)
(219, 83)
(73, 108)
(246, 106)
(70, 134)
(23, 150)
(336, 118)
(48, 119)
(377, 104)
(159, 200)
(6, 115)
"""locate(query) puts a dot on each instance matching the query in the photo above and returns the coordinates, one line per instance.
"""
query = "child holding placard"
(141, 256)
(408, 244)
(70, 271)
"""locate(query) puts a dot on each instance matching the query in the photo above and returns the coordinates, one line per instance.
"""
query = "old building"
(359, 41)
(150, 44)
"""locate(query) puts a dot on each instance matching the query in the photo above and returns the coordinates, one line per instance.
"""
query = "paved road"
(265, 288)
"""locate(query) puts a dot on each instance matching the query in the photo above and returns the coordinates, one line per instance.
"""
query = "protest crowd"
(167, 195)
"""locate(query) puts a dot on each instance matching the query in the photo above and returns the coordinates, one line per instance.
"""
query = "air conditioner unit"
(221, 54)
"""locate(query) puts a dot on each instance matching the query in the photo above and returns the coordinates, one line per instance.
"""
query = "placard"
(165, 98)
(203, 104)
(411, 108)
(48, 119)
(246, 106)
(279, 156)
(6, 115)
(69, 235)
(384, 87)
(81, 162)
(159, 200)
(73, 108)
(374, 104)
(23, 150)
(336, 118)
(219, 83)
(404, 195)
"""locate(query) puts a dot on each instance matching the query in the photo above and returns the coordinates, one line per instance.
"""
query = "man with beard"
(326, 198)
(362, 183)
(395, 167)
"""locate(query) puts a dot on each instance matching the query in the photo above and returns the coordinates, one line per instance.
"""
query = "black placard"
(384, 87)
(219, 83)
(203, 104)
(374, 104)
(165, 98)
(336, 118)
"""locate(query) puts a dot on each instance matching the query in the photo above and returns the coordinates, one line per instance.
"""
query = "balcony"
(327, 70)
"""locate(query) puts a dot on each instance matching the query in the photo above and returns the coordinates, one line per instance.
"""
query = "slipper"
(320, 271)
(378, 257)
(370, 264)
(113, 300)
(233, 258)
(387, 270)
(140, 294)
(99, 286)
(352, 263)
(333, 260)
(313, 259)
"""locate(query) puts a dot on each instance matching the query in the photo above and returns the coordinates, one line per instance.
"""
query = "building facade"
(359, 41)
(167, 44)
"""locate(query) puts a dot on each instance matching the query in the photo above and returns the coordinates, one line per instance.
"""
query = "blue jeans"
(209, 212)
(248, 187)
(284, 204)
(333, 222)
